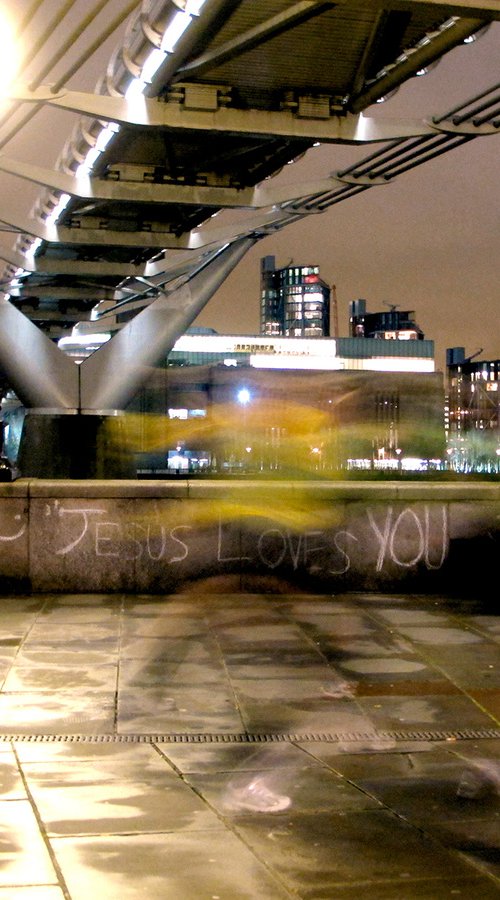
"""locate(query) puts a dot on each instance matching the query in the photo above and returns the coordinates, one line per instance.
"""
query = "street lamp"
(243, 396)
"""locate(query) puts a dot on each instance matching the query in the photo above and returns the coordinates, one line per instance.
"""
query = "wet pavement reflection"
(249, 746)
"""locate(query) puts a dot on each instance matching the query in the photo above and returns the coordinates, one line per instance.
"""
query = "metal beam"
(87, 188)
(41, 375)
(41, 316)
(415, 59)
(146, 113)
(112, 374)
(98, 237)
(92, 293)
(74, 267)
(214, 15)
(488, 9)
(196, 239)
(83, 188)
(46, 265)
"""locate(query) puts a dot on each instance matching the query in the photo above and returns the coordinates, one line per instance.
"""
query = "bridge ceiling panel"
(324, 53)
(221, 104)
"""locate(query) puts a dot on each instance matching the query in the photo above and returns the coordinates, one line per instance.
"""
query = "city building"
(472, 421)
(279, 404)
(204, 346)
(295, 399)
(295, 301)
(249, 419)
(260, 404)
(390, 325)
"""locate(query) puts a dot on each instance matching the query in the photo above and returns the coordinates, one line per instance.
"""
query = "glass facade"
(266, 351)
(247, 420)
(473, 414)
(295, 302)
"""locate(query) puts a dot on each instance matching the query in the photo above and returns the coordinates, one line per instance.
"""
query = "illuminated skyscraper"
(295, 301)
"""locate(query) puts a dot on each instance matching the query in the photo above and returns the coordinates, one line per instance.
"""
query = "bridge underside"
(198, 107)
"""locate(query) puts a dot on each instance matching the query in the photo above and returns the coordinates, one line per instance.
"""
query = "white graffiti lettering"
(310, 548)
(382, 536)
(220, 557)
(160, 537)
(402, 536)
(409, 534)
(85, 513)
(185, 548)
(407, 563)
(102, 539)
(347, 564)
(445, 542)
(18, 534)
(277, 559)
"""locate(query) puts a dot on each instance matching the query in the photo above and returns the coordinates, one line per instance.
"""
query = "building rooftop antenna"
(335, 311)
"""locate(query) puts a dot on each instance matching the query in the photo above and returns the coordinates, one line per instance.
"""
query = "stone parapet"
(223, 535)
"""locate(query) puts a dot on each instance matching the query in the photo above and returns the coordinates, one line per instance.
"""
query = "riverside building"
(261, 403)
(295, 301)
(250, 404)
(472, 421)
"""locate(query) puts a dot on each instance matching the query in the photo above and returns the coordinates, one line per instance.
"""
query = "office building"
(204, 346)
(392, 324)
(248, 419)
(368, 403)
(295, 301)
(472, 421)
(263, 404)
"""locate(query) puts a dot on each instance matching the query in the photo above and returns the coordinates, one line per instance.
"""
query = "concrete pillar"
(74, 446)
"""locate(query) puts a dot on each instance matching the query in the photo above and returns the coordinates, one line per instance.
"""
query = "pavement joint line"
(375, 737)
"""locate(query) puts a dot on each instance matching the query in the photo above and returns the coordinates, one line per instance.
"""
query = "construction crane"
(472, 356)
(335, 311)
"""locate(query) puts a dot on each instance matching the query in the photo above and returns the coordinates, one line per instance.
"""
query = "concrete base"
(74, 446)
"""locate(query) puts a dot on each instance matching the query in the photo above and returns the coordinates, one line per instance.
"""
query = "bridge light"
(174, 31)
(106, 135)
(30, 253)
(193, 7)
(152, 64)
(56, 212)
(135, 88)
(471, 38)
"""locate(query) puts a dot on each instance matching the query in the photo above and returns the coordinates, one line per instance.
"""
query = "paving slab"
(249, 746)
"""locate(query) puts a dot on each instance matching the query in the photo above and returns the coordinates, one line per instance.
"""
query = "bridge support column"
(112, 375)
(74, 426)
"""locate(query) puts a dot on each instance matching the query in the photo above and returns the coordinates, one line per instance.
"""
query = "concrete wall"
(162, 537)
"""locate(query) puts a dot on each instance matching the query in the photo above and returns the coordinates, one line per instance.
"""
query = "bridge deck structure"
(198, 107)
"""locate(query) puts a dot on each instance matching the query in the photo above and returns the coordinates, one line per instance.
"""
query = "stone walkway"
(252, 747)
